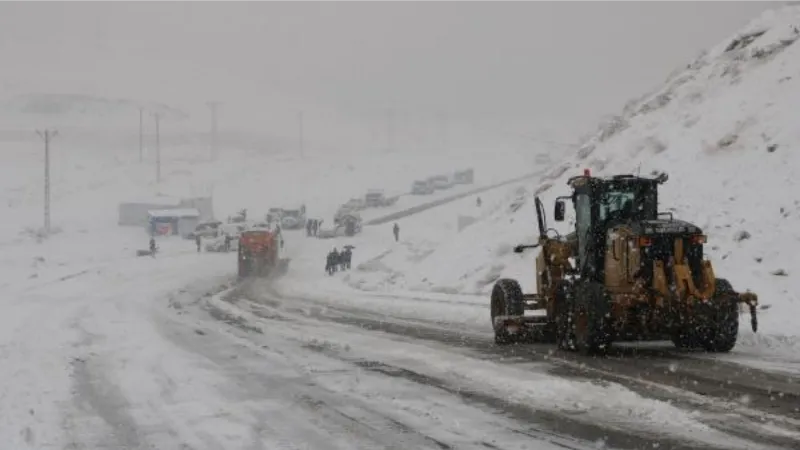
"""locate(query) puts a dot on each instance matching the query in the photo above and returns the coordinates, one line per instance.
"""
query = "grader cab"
(626, 273)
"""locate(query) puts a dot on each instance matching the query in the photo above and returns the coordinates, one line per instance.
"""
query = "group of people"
(337, 260)
(312, 226)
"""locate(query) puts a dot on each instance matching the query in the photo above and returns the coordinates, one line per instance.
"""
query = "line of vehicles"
(259, 243)
(440, 182)
(218, 236)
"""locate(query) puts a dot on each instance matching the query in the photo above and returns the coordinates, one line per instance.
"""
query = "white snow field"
(723, 128)
(105, 350)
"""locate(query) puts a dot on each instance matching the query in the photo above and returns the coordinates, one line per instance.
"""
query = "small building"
(136, 213)
(171, 222)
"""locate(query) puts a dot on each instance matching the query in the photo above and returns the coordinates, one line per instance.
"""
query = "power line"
(47, 135)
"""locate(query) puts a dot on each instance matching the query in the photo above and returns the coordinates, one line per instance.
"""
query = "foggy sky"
(559, 62)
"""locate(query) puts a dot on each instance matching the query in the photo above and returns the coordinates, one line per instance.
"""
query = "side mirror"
(519, 249)
(559, 212)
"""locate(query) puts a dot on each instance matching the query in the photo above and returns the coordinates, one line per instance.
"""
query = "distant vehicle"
(440, 182)
(376, 198)
(293, 219)
(344, 225)
(231, 230)
(354, 204)
(352, 224)
(274, 215)
(421, 187)
(350, 221)
(464, 177)
(259, 254)
(329, 233)
(205, 230)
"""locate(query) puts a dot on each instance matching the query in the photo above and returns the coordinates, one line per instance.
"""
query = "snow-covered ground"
(103, 349)
(95, 352)
(723, 128)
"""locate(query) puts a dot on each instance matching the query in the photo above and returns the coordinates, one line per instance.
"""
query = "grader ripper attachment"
(626, 273)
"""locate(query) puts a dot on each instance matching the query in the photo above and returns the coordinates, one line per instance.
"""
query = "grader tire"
(583, 326)
(715, 326)
(723, 329)
(506, 300)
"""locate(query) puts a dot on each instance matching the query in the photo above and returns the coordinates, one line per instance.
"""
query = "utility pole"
(157, 117)
(141, 132)
(47, 135)
(300, 133)
(213, 105)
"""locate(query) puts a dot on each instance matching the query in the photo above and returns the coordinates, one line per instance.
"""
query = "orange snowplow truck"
(258, 252)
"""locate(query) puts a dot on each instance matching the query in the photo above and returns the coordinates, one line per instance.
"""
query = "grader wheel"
(581, 321)
(506, 300)
(715, 328)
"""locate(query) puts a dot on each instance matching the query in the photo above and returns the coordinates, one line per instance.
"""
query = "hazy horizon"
(517, 67)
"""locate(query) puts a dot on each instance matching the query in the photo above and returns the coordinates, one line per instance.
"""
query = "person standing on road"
(152, 246)
(479, 202)
(396, 231)
(198, 241)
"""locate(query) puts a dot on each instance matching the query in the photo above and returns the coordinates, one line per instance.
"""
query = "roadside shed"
(166, 222)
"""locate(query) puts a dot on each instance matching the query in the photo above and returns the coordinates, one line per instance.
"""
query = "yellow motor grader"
(626, 273)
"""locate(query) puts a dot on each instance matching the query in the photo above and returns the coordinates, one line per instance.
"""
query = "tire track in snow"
(316, 414)
(495, 404)
(96, 395)
(543, 422)
(687, 382)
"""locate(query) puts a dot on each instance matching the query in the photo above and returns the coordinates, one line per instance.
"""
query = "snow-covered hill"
(724, 128)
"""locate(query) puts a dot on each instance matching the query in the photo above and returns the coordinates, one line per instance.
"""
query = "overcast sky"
(563, 62)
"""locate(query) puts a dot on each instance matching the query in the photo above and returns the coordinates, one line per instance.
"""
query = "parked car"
(464, 177)
(274, 215)
(354, 204)
(376, 198)
(293, 219)
(421, 187)
(440, 182)
(205, 230)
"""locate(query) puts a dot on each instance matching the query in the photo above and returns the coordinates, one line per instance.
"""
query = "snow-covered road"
(125, 352)
(106, 350)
